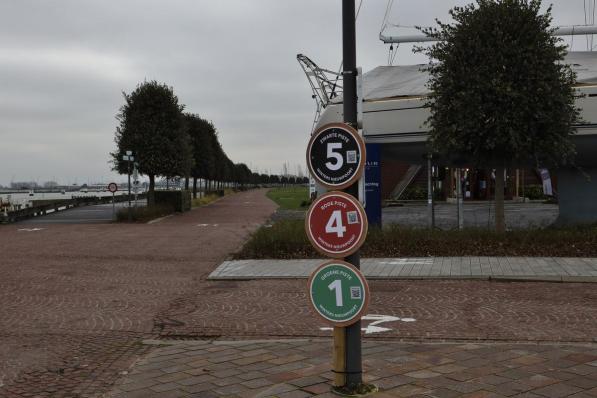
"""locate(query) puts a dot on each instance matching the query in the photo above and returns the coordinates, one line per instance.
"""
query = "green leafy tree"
(151, 125)
(501, 95)
(202, 133)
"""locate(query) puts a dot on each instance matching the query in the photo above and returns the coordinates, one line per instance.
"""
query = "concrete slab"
(502, 268)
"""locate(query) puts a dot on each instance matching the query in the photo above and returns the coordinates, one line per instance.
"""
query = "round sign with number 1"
(336, 155)
(336, 224)
(339, 292)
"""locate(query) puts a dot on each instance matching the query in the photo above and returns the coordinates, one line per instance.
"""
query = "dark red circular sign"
(112, 187)
(336, 224)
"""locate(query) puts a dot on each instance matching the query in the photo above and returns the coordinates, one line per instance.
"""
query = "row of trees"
(168, 142)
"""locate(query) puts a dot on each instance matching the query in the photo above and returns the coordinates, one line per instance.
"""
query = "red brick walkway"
(301, 369)
(76, 299)
(457, 310)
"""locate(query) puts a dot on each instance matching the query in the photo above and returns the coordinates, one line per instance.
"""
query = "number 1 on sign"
(334, 225)
(337, 286)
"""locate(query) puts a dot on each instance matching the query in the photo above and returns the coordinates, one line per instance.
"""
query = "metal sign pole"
(430, 215)
(113, 208)
(354, 368)
(129, 198)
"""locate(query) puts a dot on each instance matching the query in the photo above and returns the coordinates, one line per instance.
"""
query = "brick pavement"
(467, 310)
(301, 368)
(76, 299)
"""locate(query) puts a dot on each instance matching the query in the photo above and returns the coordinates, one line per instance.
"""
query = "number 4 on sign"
(335, 225)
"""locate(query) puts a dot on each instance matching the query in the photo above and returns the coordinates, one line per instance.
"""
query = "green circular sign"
(339, 292)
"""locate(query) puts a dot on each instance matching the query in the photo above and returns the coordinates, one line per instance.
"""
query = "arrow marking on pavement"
(377, 319)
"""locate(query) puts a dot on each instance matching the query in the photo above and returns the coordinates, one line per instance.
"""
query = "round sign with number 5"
(339, 292)
(336, 155)
(336, 224)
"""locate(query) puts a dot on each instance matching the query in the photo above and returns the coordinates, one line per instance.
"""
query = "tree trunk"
(500, 221)
(194, 188)
(205, 187)
(150, 193)
(186, 183)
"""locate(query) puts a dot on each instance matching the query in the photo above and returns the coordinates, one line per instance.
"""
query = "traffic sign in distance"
(339, 293)
(336, 155)
(112, 187)
(336, 224)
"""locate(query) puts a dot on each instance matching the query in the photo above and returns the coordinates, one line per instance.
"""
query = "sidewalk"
(301, 368)
(556, 269)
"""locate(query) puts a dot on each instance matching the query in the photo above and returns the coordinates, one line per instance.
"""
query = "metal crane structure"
(325, 84)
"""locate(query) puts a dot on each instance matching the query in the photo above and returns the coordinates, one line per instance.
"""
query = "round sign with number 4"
(336, 224)
(339, 292)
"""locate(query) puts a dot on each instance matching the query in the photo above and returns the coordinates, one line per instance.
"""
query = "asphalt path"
(80, 215)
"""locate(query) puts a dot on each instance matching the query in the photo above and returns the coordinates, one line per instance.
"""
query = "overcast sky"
(65, 63)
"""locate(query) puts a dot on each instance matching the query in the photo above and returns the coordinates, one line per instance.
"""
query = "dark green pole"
(354, 368)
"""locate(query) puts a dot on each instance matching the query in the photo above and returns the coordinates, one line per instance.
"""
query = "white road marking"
(377, 319)
(207, 225)
(408, 261)
(31, 229)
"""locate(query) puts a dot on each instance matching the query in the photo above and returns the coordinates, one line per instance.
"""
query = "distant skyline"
(65, 64)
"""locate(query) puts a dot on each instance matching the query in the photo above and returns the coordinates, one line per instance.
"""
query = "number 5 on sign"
(336, 156)
(331, 154)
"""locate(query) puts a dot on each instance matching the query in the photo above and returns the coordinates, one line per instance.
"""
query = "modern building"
(394, 112)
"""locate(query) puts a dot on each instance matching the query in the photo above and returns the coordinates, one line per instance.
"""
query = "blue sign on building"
(373, 184)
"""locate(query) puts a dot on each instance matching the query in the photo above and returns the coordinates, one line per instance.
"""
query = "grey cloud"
(64, 64)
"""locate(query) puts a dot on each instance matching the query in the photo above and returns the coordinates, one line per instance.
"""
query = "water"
(24, 199)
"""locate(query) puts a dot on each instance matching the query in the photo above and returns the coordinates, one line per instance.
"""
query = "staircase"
(409, 176)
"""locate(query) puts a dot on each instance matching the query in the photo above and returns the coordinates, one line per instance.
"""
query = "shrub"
(534, 192)
(179, 200)
(206, 199)
(144, 214)
(287, 239)
(414, 192)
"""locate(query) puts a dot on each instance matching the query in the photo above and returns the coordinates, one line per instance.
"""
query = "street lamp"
(128, 158)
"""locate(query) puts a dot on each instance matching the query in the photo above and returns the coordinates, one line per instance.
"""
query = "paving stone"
(408, 391)
(295, 394)
(307, 381)
(257, 383)
(444, 393)
(583, 382)
(449, 368)
(422, 374)
(162, 387)
(392, 382)
(557, 390)
(318, 389)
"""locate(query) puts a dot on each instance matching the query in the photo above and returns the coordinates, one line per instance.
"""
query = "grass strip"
(290, 198)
